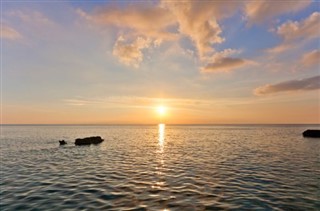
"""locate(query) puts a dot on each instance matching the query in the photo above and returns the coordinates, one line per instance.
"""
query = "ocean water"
(160, 167)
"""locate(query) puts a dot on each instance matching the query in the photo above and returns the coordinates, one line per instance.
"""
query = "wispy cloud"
(307, 28)
(29, 25)
(305, 84)
(136, 101)
(31, 17)
(139, 20)
(293, 33)
(311, 59)
(224, 65)
(9, 33)
(263, 10)
(224, 61)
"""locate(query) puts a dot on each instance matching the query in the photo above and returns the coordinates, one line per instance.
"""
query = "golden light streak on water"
(162, 128)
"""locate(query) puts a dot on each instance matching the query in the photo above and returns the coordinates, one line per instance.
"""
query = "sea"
(160, 167)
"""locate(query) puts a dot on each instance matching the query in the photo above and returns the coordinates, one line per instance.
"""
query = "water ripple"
(136, 168)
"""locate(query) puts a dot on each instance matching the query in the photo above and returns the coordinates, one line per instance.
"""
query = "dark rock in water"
(311, 133)
(62, 142)
(88, 140)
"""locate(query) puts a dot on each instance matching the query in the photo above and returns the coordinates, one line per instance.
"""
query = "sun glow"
(162, 110)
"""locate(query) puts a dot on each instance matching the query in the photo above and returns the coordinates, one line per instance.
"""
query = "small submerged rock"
(62, 142)
(311, 133)
(88, 140)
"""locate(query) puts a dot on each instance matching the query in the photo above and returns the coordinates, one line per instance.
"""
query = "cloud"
(311, 59)
(305, 84)
(172, 20)
(199, 21)
(131, 54)
(224, 62)
(167, 21)
(139, 101)
(29, 24)
(140, 20)
(201, 29)
(263, 10)
(31, 17)
(295, 32)
(142, 26)
(306, 29)
(9, 33)
(224, 65)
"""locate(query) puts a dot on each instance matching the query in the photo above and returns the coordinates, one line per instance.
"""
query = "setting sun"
(162, 110)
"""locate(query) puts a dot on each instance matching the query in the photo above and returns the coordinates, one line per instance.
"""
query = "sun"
(162, 110)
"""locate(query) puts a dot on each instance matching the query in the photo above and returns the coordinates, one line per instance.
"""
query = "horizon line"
(152, 124)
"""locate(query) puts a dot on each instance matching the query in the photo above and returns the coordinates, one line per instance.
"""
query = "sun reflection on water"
(160, 182)
(161, 137)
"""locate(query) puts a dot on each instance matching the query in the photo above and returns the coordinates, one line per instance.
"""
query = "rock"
(62, 142)
(88, 140)
(311, 133)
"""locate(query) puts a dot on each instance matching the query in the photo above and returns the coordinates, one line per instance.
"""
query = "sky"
(116, 62)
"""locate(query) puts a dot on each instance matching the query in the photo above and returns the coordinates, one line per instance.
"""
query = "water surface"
(160, 167)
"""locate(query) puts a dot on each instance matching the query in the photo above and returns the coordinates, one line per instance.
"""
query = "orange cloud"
(294, 32)
(141, 20)
(224, 65)
(305, 84)
(131, 54)
(194, 19)
(223, 61)
(307, 29)
(170, 20)
(145, 25)
(198, 21)
(260, 11)
(311, 59)
(8, 32)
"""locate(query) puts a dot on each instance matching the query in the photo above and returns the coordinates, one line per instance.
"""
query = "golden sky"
(116, 62)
